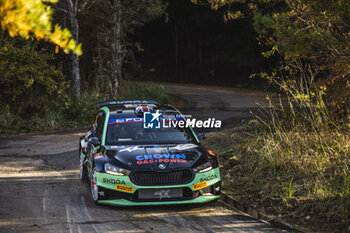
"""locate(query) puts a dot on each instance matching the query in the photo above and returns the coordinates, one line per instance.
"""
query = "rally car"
(128, 162)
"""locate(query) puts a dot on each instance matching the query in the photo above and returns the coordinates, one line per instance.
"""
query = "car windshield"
(133, 133)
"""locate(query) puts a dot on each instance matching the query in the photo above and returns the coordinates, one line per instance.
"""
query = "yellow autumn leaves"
(33, 17)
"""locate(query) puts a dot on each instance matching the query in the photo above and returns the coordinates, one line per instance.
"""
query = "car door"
(100, 124)
(97, 131)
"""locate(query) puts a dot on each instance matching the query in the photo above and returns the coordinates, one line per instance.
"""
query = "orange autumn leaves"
(33, 17)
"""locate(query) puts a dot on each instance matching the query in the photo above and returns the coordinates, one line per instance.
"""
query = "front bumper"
(121, 191)
(123, 202)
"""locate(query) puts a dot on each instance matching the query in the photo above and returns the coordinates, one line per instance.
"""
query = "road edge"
(273, 220)
(48, 132)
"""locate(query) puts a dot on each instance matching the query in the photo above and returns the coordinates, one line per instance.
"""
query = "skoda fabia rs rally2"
(129, 161)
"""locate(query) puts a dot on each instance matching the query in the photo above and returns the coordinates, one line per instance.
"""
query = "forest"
(58, 58)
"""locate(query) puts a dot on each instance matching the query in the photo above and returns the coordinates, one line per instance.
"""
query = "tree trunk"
(75, 72)
(116, 50)
(200, 56)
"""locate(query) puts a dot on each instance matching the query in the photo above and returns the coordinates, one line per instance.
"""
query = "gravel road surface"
(41, 190)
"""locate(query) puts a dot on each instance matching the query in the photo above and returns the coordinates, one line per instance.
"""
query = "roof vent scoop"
(139, 110)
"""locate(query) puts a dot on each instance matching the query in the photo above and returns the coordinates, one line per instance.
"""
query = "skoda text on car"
(130, 163)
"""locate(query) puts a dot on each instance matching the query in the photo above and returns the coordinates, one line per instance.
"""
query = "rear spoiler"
(122, 102)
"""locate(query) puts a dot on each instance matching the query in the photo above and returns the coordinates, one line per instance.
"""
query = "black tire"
(83, 174)
(96, 193)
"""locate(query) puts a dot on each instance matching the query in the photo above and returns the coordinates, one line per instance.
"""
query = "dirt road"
(41, 192)
(230, 105)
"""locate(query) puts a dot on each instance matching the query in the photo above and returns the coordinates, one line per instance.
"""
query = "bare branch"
(61, 9)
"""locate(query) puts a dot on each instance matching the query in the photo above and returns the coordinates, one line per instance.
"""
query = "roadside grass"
(291, 160)
(74, 114)
(304, 180)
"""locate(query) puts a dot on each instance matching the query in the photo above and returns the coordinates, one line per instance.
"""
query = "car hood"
(155, 157)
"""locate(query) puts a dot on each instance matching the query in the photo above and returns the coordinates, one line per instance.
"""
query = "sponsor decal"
(101, 193)
(98, 156)
(200, 185)
(161, 156)
(161, 161)
(112, 181)
(211, 152)
(211, 177)
(125, 102)
(124, 188)
(125, 120)
(131, 102)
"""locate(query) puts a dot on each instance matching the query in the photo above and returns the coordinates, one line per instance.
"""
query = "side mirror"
(94, 141)
(201, 136)
(93, 130)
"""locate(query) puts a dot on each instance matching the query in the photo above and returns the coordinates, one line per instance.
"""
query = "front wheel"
(96, 192)
(94, 186)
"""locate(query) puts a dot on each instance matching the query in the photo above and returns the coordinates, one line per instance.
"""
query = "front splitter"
(123, 202)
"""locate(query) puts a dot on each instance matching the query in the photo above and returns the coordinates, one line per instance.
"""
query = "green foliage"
(138, 12)
(28, 80)
(296, 161)
(293, 158)
(82, 112)
(311, 31)
(7, 119)
(72, 114)
(291, 174)
(138, 90)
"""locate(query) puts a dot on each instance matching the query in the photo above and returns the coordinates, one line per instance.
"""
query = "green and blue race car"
(131, 159)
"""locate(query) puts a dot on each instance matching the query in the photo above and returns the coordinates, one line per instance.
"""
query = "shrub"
(137, 90)
(29, 81)
(299, 154)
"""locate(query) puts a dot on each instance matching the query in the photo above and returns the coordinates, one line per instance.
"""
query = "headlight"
(203, 167)
(117, 171)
